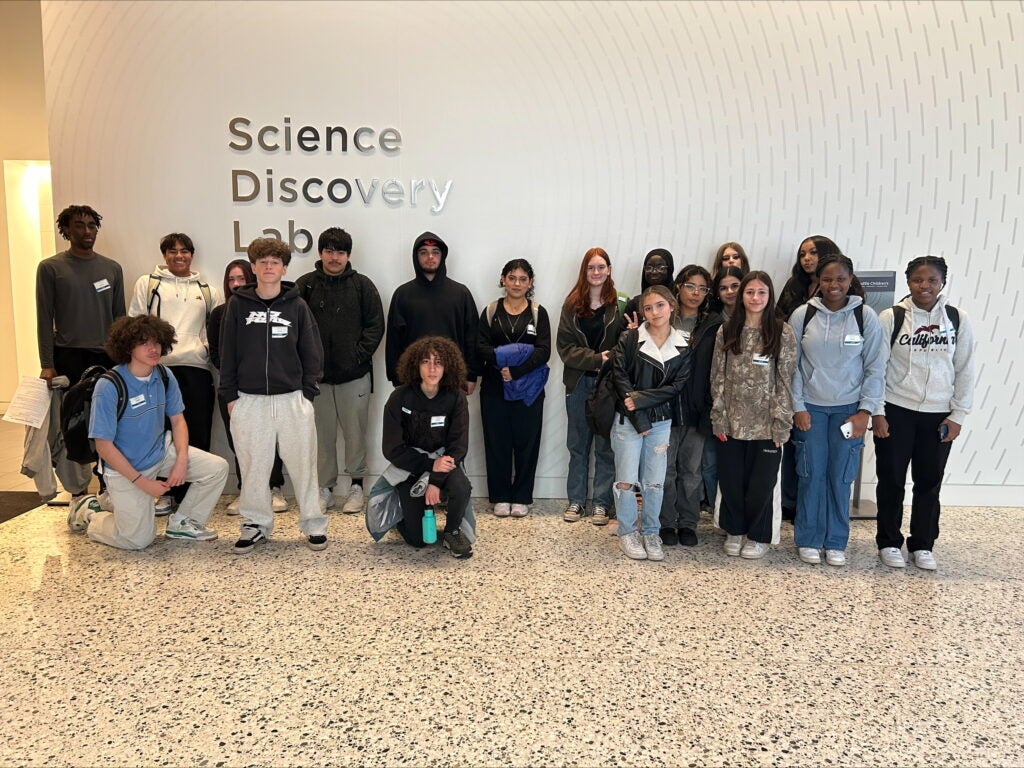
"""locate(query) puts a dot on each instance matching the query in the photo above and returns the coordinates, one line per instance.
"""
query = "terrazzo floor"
(548, 647)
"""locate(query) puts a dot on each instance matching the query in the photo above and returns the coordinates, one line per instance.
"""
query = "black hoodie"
(269, 358)
(438, 307)
(633, 305)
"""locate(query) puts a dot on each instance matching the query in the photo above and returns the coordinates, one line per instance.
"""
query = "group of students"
(715, 381)
(711, 380)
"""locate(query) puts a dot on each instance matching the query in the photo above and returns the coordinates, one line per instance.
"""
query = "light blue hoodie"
(835, 364)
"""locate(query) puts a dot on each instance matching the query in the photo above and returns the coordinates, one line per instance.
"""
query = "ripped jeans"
(640, 459)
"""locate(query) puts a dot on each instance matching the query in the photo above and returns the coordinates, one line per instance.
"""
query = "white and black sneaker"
(251, 536)
(317, 542)
(81, 510)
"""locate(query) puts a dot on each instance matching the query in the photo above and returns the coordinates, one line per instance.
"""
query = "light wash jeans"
(640, 459)
(826, 463)
(578, 439)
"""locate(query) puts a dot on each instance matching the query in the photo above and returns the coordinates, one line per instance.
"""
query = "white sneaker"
(179, 527)
(327, 500)
(652, 543)
(836, 557)
(733, 545)
(810, 555)
(81, 510)
(164, 506)
(892, 556)
(924, 559)
(105, 503)
(632, 544)
(232, 508)
(502, 509)
(278, 502)
(354, 501)
(520, 510)
(754, 550)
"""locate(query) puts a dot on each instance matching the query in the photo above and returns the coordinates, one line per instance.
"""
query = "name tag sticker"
(406, 410)
(101, 285)
(436, 421)
(530, 330)
(278, 331)
(761, 359)
(853, 340)
(137, 401)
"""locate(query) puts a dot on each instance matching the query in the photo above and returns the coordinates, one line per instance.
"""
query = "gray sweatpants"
(347, 405)
(258, 424)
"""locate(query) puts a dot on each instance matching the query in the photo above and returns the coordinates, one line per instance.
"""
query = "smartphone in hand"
(847, 429)
(943, 431)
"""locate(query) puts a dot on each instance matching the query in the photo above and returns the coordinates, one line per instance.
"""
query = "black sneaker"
(316, 543)
(687, 537)
(669, 537)
(788, 514)
(458, 544)
(248, 539)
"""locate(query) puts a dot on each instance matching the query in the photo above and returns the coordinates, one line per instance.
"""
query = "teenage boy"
(432, 304)
(79, 294)
(350, 318)
(271, 360)
(135, 449)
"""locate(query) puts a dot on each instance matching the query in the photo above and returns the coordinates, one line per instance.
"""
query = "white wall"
(894, 128)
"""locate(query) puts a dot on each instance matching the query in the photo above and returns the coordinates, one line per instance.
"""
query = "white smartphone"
(847, 429)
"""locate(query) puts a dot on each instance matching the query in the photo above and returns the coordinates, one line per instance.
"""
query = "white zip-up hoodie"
(181, 303)
(931, 366)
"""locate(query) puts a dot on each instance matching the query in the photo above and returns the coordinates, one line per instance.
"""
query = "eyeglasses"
(656, 268)
(597, 267)
(516, 279)
(701, 289)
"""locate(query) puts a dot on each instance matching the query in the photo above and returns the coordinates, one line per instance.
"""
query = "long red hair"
(579, 296)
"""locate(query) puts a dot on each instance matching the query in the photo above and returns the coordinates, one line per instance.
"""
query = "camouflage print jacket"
(752, 394)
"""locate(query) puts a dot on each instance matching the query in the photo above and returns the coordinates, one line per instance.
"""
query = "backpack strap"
(122, 390)
(207, 297)
(154, 294)
(898, 315)
(858, 314)
(491, 309)
(954, 317)
(808, 314)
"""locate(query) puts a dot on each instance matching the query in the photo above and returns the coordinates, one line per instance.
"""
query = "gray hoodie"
(835, 364)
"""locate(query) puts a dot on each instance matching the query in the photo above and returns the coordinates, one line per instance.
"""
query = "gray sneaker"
(652, 543)
(457, 544)
(632, 545)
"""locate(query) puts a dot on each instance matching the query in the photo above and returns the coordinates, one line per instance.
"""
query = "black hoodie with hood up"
(438, 307)
(633, 305)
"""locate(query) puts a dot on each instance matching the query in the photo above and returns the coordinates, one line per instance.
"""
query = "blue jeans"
(578, 439)
(826, 463)
(640, 459)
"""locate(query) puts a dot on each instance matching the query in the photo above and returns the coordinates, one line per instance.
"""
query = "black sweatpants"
(913, 440)
(196, 385)
(747, 472)
(455, 492)
(511, 444)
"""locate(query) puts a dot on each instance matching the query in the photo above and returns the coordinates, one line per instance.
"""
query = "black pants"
(276, 471)
(72, 362)
(511, 444)
(747, 471)
(196, 385)
(913, 440)
(455, 492)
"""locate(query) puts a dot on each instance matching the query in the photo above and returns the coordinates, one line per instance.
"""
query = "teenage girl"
(730, 255)
(649, 367)
(658, 269)
(684, 483)
(838, 384)
(236, 274)
(929, 390)
(589, 326)
(751, 377)
(518, 328)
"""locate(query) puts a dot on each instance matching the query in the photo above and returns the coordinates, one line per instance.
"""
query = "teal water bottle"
(429, 526)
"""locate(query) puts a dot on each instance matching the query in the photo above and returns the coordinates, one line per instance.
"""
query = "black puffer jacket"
(639, 372)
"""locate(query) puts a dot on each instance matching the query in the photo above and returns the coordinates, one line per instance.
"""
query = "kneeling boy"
(135, 448)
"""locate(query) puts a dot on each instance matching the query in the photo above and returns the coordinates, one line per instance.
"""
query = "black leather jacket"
(639, 372)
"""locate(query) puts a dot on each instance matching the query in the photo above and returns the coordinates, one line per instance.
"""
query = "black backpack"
(76, 406)
(858, 315)
(899, 313)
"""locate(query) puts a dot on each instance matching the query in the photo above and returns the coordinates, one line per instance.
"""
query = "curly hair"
(579, 296)
(65, 216)
(268, 247)
(447, 353)
(127, 333)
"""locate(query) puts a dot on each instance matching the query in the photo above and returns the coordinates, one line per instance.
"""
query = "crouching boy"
(135, 448)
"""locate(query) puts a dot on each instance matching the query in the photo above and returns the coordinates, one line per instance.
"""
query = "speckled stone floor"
(548, 647)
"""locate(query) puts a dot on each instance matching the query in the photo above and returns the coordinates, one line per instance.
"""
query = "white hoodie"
(181, 303)
(931, 366)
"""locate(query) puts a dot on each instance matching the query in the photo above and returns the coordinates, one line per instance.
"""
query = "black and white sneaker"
(251, 536)
(316, 543)
(457, 544)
